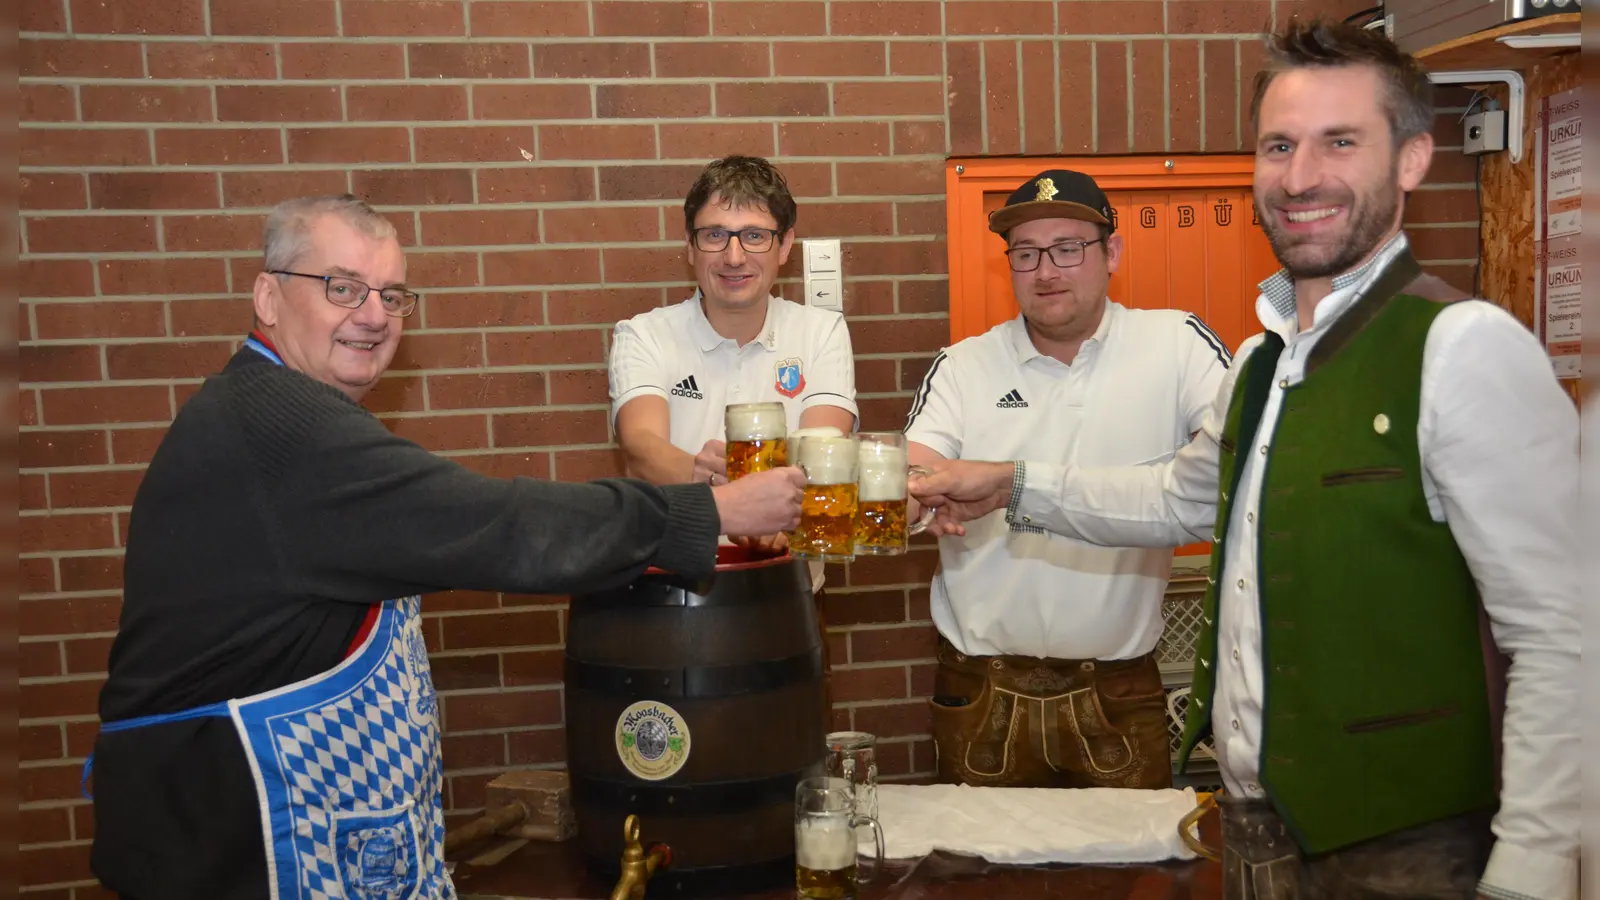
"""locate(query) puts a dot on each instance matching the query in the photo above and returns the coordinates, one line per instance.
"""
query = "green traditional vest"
(1377, 712)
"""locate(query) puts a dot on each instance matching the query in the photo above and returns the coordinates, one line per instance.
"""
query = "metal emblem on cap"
(1380, 423)
(1047, 189)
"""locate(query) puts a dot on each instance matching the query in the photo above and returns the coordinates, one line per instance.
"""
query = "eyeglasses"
(753, 240)
(350, 293)
(1064, 255)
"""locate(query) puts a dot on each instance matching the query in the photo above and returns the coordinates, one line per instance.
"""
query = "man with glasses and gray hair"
(269, 725)
(1046, 674)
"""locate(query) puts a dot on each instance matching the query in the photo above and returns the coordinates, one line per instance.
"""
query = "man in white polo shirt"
(1046, 675)
(674, 370)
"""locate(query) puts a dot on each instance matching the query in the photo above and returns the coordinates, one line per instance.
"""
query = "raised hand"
(962, 490)
(765, 503)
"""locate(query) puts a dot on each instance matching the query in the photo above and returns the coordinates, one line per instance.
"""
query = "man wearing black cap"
(1046, 673)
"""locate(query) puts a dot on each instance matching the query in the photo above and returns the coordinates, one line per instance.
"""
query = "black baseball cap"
(1054, 194)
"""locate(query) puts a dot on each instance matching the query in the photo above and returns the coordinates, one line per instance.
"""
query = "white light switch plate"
(824, 274)
(822, 257)
(825, 292)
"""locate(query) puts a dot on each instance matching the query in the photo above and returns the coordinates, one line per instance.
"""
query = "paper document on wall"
(1557, 224)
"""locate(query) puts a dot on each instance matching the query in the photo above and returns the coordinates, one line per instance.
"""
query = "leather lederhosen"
(1030, 722)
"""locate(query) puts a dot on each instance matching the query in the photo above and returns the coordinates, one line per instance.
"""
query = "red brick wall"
(534, 156)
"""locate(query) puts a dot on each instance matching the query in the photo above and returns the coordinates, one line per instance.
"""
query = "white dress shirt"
(1136, 391)
(1499, 446)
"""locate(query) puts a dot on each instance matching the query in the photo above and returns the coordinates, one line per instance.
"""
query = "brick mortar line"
(450, 292)
(485, 81)
(414, 165)
(510, 206)
(879, 664)
(1130, 91)
(61, 679)
(656, 244)
(53, 720)
(519, 689)
(396, 40)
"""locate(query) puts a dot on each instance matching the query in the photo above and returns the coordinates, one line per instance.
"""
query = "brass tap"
(1191, 820)
(637, 865)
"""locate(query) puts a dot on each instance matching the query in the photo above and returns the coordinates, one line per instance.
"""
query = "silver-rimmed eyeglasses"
(350, 293)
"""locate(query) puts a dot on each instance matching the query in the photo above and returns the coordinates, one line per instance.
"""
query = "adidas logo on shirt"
(1012, 400)
(688, 388)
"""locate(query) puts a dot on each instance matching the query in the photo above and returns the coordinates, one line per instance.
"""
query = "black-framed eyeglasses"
(1064, 255)
(350, 293)
(752, 239)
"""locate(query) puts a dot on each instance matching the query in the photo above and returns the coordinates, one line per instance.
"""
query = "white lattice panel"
(1181, 608)
(1177, 704)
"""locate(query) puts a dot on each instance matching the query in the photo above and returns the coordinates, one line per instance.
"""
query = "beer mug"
(757, 438)
(852, 757)
(881, 520)
(828, 509)
(825, 855)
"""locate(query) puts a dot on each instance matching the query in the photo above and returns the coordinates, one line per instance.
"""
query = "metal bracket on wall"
(1512, 79)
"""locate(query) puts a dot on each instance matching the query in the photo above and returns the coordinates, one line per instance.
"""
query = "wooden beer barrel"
(697, 707)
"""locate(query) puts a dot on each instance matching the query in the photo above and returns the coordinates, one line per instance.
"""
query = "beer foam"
(817, 431)
(756, 421)
(828, 460)
(883, 472)
(825, 843)
(880, 482)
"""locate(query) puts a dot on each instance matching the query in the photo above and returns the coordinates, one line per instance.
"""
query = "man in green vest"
(1389, 478)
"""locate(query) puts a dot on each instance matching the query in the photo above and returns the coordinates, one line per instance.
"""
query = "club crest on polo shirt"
(791, 380)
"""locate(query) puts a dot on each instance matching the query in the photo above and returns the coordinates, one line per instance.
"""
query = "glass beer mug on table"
(825, 849)
(881, 528)
(830, 461)
(757, 438)
(852, 757)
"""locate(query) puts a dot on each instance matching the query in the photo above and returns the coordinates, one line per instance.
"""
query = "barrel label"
(652, 740)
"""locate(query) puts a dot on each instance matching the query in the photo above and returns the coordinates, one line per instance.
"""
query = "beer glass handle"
(877, 834)
(921, 524)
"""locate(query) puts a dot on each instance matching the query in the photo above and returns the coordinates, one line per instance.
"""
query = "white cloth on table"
(1023, 826)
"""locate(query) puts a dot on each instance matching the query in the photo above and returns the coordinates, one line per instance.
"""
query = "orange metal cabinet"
(1190, 240)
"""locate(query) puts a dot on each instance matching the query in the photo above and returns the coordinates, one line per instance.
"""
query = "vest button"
(1241, 584)
(1235, 724)
(1249, 517)
(1263, 449)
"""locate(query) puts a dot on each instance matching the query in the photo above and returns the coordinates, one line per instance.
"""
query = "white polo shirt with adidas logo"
(802, 359)
(1135, 393)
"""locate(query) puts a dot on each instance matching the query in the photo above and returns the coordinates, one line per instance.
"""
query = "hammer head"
(547, 797)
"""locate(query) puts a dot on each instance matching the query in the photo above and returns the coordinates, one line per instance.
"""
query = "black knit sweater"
(274, 514)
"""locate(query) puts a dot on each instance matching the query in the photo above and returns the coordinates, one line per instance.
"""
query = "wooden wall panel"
(1507, 191)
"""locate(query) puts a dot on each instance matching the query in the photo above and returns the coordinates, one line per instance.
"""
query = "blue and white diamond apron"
(347, 771)
(347, 768)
